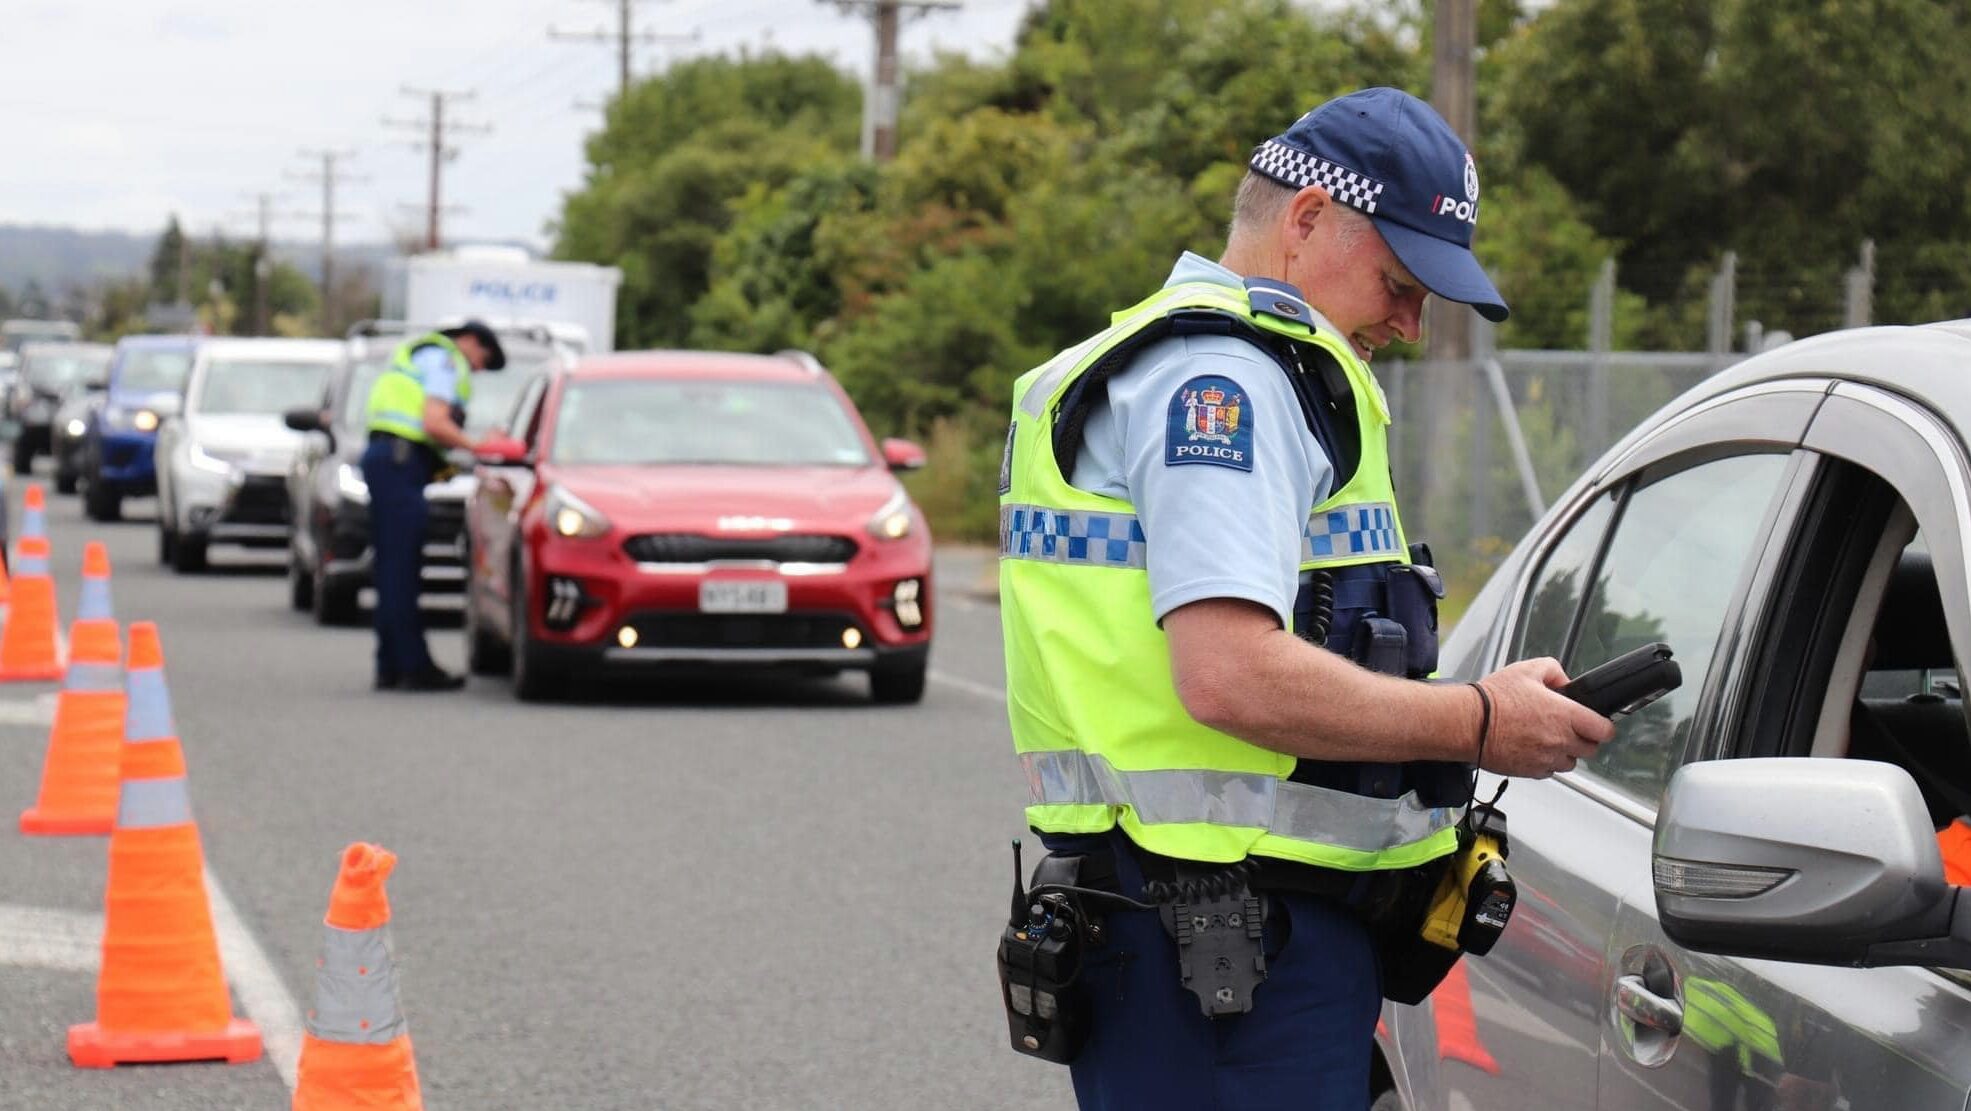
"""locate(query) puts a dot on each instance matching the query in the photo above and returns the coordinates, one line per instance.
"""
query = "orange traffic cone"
(1457, 1023)
(161, 995)
(34, 512)
(94, 604)
(356, 1054)
(27, 645)
(79, 782)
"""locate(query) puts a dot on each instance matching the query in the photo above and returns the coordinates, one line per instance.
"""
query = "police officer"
(1213, 616)
(416, 413)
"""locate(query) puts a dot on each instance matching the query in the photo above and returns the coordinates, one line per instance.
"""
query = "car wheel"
(100, 501)
(335, 601)
(898, 686)
(300, 586)
(166, 541)
(65, 479)
(485, 654)
(532, 679)
(23, 455)
(1388, 1101)
(187, 554)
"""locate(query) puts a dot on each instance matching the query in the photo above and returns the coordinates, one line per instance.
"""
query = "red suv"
(672, 510)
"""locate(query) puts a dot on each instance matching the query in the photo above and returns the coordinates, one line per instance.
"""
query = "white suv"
(222, 461)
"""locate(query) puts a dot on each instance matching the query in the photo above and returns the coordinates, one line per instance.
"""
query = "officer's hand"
(1536, 731)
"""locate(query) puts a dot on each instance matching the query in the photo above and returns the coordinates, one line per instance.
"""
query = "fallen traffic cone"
(94, 604)
(79, 781)
(161, 995)
(1457, 1023)
(356, 1053)
(27, 645)
(34, 512)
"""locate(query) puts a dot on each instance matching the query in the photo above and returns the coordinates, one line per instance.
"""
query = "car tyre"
(100, 500)
(166, 541)
(23, 455)
(898, 686)
(188, 554)
(533, 680)
(66, 480)
(300, 586)
(335, 601)
(485, 654)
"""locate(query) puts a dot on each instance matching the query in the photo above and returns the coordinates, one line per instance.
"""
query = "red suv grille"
(682, 547)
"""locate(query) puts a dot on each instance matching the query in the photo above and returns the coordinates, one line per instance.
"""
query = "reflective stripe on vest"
(356, 989)
(84, 676)
(1070, 536)
(1362, 529)
(153, 804)
(147, 717)
(1297, 811)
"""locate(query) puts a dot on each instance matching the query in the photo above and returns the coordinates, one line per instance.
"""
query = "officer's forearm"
(445, 433)
(1237, 671)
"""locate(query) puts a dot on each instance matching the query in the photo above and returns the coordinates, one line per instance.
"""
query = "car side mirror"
(304, 420)
(501, 451)
(902, 455)
(1815, 860)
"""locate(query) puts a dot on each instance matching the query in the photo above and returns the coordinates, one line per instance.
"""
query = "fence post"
(1724, 298)
(1859, 308)
(1601, 337)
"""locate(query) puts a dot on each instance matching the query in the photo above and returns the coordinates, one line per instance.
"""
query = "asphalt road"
(691, 895)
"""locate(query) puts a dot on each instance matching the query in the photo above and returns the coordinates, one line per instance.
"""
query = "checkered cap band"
(1366, 528)
(1299, 169)
(1071, 536)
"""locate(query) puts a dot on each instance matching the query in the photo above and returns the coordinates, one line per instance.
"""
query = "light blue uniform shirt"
(1213, 529)
(441, 375)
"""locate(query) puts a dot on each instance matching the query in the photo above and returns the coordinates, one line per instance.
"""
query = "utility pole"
(263, 267)
(1452, 79)
(623, 36)
(440, 153)
(879, 106)
(329, 177)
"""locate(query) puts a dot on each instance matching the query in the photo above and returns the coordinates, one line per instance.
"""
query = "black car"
(329, 542)
(47, 372)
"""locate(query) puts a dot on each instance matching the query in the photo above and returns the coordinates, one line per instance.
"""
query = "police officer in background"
(416, 414)
(1213, 621)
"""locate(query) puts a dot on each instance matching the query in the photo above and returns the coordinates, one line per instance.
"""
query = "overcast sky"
(116, 114)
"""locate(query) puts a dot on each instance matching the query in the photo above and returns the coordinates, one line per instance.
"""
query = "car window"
(525, 423)
(1676, 556)
(1556, 593)
(146, 370)
(261, 386)
(704, 421)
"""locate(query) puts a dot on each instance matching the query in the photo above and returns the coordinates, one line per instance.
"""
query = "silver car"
(1740, 901)
(222, 461)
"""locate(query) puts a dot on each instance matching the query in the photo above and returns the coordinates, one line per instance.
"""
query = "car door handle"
(1634, 999)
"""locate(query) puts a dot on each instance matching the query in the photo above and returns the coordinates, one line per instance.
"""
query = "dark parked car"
(146, 387)
(47, 372)
(329, 545)
(69, 432)
(1739, 902)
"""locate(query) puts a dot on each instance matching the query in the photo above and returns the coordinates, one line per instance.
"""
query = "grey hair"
(1261, 202)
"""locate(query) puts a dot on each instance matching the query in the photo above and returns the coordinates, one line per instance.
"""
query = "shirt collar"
(1194, 267)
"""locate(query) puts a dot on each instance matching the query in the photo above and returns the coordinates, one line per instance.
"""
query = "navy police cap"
(1390, 155)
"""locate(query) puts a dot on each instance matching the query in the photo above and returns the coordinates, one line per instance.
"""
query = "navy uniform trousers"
(397, 471)
(1305, 1045)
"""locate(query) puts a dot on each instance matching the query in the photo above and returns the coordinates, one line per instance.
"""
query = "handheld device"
(1628, 682)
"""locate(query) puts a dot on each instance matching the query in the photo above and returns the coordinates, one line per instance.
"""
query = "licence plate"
(764, 596)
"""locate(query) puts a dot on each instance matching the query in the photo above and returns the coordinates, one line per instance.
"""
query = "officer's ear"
(1309, 207)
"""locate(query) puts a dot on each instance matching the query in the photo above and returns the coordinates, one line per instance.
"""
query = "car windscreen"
(261, 386)
(654, 421)
(492, 393)
(52, 371)
(148, 371)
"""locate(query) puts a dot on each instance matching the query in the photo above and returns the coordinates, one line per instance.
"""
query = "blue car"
(146, 386)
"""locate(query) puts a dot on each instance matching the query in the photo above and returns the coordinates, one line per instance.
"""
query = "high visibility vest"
(396, 402)
(1095, 716)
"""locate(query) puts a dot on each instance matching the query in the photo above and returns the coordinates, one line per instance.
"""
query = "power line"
(440, 153)
(879, 113)
(624, 35)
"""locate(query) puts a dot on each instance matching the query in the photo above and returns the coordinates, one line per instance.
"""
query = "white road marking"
(42, 937)
(39, 710)
(981, 690)
(263, 995)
